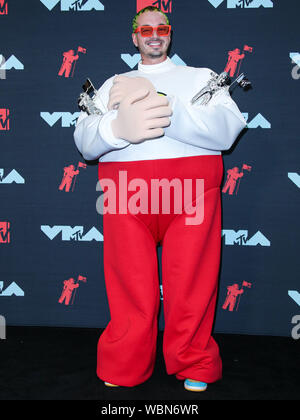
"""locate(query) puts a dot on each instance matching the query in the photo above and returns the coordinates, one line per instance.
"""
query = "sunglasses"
(146, 31)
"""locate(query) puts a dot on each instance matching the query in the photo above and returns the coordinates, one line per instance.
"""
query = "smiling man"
(153, 44)
(149, 130)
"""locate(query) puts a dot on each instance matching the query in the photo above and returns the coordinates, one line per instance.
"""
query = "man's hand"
(124, 85)
(141, 116)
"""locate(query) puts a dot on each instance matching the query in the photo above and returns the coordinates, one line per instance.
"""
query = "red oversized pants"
(190, 267)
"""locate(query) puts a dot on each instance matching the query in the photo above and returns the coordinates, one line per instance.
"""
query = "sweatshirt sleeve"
(93, 133)
(214, 126)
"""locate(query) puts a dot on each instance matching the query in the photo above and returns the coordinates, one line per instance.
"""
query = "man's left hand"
(124, 85)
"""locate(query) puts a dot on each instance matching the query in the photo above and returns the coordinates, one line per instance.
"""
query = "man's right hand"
(141, 116)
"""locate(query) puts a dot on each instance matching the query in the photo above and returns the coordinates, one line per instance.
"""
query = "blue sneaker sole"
(110, 385)
(195, 386)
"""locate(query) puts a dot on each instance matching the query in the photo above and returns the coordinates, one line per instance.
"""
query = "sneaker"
(109, 384)
(192, 385)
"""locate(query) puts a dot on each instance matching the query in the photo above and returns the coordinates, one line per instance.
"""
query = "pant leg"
(190, 267)
(127, 347)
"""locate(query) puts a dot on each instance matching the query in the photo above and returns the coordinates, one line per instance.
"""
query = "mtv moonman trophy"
(86, 101)
(219, 82)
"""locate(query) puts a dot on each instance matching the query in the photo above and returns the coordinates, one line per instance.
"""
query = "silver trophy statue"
(86, 100)
(216, 83)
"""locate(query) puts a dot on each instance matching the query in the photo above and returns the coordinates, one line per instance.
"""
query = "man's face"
(154, 47)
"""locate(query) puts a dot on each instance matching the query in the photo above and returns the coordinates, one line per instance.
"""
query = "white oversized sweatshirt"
(194, 130)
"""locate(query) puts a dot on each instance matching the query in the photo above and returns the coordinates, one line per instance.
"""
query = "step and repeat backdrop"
(51, 236)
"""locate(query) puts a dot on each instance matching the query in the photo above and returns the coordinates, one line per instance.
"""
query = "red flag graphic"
(247, 167)
(247, 48)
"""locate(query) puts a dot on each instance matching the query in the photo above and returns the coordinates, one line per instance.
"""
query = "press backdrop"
(50, 231)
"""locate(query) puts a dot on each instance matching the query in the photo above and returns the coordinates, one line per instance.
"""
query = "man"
(150, 131)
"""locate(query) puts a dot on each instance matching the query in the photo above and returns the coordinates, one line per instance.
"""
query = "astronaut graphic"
(69, 172)
(70, 286)
(234, 57)
(70, 175)
(3, 7)
(4, 232)
(68, 58)
(233, 292)
(234, 176)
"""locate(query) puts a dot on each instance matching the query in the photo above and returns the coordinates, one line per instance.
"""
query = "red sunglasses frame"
(154, 28)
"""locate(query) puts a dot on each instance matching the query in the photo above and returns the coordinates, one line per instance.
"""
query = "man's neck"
(147, 61)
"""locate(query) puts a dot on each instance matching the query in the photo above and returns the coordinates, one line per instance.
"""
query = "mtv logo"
(4, 232)
(3, 7)
(295, 178)
(164, 5)
(4, 119)
(258, 121)
(12, 289)
(67, 118)
(295, 57)
(132, 60)
(241, 238)
(69, 233)
(74, 5)
(12, 63)
(13, 176)
(295, 295)
(246, 4)
(177, 60)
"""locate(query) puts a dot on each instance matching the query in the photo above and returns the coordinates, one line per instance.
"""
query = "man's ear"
(134, 39)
